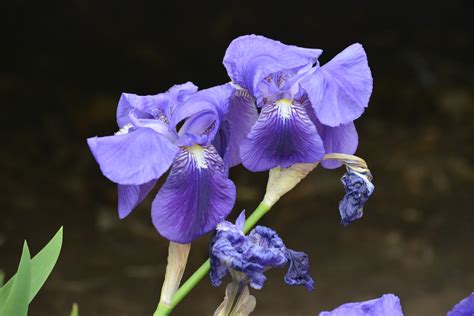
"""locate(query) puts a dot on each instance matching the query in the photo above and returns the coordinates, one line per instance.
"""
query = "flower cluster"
(248, 257)
(282, 108)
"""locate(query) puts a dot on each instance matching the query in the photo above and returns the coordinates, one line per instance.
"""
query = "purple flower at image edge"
(464, 307)
(387, 305)
(232, 251)
(197, 193)
(306, 110)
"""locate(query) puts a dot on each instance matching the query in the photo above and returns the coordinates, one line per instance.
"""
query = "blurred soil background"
(65, 63)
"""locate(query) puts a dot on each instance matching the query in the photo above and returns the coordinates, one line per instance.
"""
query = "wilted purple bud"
(387, 305)
(358, 190)
(298, 273)
(252, 255)
(463, 308)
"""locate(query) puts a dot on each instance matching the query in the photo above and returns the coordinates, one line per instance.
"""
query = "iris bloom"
(248, 257)
(387, 305)
(306, 110)
(197, 194)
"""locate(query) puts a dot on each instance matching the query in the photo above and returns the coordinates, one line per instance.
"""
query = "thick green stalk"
(203, 270)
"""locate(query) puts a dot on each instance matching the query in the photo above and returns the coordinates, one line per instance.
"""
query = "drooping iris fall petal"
(341, 139)
(196, 196)
(282, 136)
(129, 196)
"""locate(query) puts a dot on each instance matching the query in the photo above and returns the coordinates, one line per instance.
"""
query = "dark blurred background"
(65, 63)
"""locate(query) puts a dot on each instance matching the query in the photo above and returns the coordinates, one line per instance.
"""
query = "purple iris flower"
(306, 110)
(358, 190)
(387, 305)
(463, 308)
(197, 194)
(250, 256)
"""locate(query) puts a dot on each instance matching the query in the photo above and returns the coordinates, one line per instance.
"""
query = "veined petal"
(282, 136)
(136, 157)
(159, 106)
(387, 305)
(250, 58)
(241, 116)
(196, 196)
(341, 139)
(340, 90)
(129, 196)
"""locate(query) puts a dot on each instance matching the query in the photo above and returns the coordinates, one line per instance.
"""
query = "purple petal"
(387, 305)
(241, 116)
(340, 90)
(222, 143)
(136, 157)
(204, 111)
(240, 221)
(250, 58)
(157, 106)
(298, 271)
(129, 196)
(282, 136)
(342, 139)
(463, 308)
(196, 196)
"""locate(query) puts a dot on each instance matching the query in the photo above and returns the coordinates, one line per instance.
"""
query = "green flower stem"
(199, 274)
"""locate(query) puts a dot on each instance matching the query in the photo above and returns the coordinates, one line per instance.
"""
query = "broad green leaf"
(41, 266)
(18, 298)
(75, 310)
(2, 278)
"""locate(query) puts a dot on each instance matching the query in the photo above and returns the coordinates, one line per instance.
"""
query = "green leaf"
(2, 278)
(18, 298)
(41, 266)
(75, 310)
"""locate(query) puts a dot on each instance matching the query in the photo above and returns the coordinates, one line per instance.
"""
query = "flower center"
(284, 108)
(198, 154)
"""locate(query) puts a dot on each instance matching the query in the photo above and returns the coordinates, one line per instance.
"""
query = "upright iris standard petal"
(159, 106)
(341, 139)
(340, 90)
(387, 305)
(250, 58)
(129, 196)
(463, 308)
(358, 190)
(282, 136)
(298, 271)
(203, 111)
(134, 158)
(241, 116)
(196, 196)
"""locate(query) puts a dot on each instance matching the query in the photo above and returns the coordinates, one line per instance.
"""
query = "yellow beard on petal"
(197, 152)
(284, 108)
